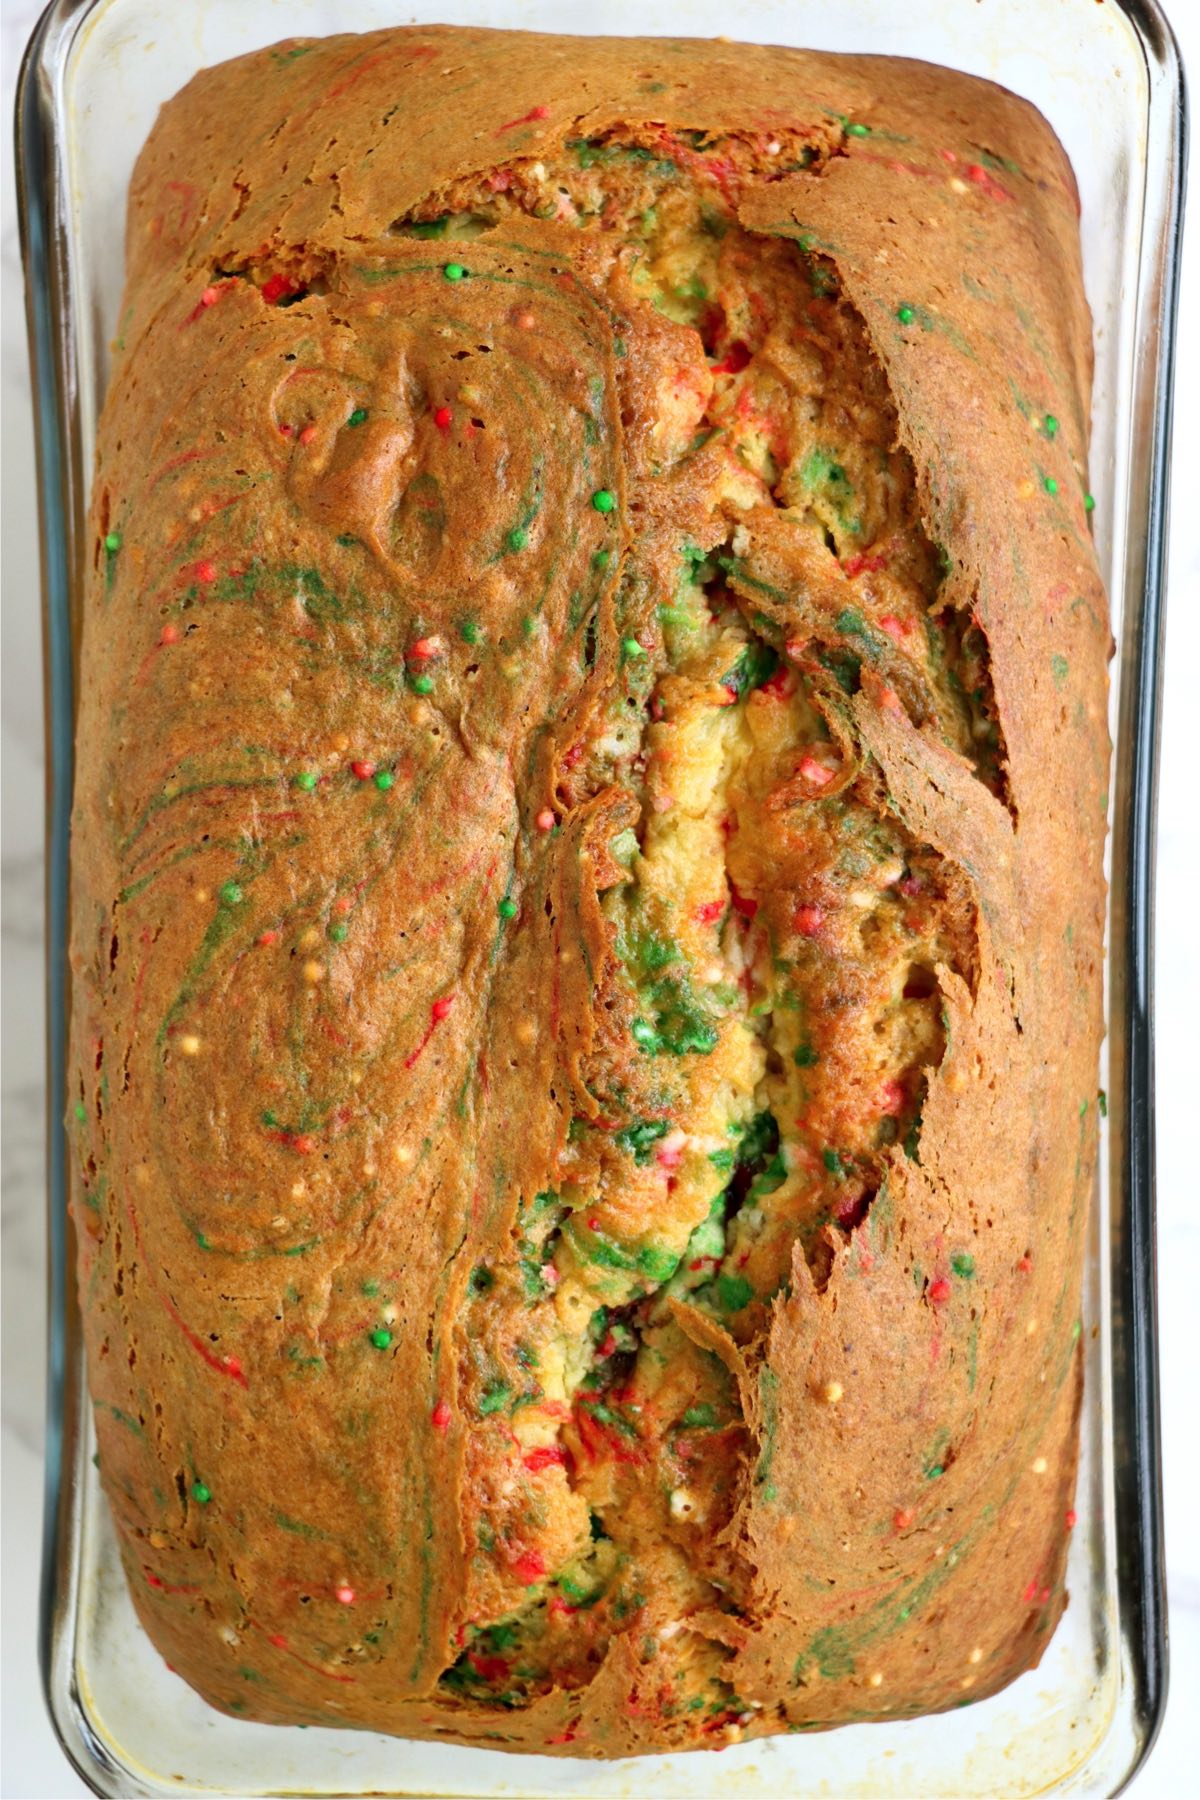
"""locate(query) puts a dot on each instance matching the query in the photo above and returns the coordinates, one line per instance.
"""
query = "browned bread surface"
(587, 888)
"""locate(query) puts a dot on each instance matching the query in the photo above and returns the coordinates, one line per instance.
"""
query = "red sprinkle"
(169, 634)
(939, 1290)
(205, 572)
(743, 903)
(814, 772)
(442, 417)
(364, 770)
(530, 1567)
(267, 938)
(891, 1097)
(1072, 1518)
(895, 628)
(308, 434)
(734, 361)
(285, 430)
(979, 175)
(1025, 1263)
(545, 1456)
(863, 564)
(441, 1416)
(796, 647)
(710, 911)
(489, 1668)
(902, 1518)
(778, 686)
(808, 920)
(545, 820)
(277, 287)
(441, 1007)
(344, 1595)
(303, 1143)
(534, 113)
(425, 649)
(278, 1640)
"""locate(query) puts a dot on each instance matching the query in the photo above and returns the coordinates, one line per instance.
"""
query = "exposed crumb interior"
(776, 936)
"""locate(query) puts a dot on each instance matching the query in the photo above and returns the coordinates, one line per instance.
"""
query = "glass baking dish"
(1108, 78)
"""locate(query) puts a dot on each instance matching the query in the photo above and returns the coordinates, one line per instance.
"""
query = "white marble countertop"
(32, 1764)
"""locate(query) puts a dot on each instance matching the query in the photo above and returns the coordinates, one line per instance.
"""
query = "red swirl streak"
(224, 1365)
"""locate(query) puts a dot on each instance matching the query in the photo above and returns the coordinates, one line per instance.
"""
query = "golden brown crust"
(316, 1080)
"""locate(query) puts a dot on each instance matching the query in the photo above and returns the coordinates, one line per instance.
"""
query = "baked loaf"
(587, 886)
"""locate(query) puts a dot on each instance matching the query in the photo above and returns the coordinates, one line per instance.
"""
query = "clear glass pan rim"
(63, 479)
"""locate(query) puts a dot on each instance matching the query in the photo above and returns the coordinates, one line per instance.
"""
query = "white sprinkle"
(683, 1504)
(1039, 1465)
(833, 1392)
(190, 1045)
(976, 1655)
(877, 1679)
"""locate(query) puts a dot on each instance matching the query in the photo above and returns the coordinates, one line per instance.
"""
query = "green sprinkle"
(369, 1287)
(604, 500)
(734, 1292)
(1102, 1103)
(805, 1057)
(306, 780)
(231, 893)
(656, 1261)
(469, 631)
(1050, 485)
(507, 908)
(453, 271)
(699, 1416)
(963, 1264)
(905, 314)
(1049, 424)
(517, 538)
(494, 1396)
(601, 559)
(358, 416)
(384, 779)
(1089, 503)
(422, 684)
(339, 933)
(201, 1493)
(935, 1472)
(643, 1033)
(631, 648)
(112, 542)
(381, 1337)
(80, 1111)
(858, 131)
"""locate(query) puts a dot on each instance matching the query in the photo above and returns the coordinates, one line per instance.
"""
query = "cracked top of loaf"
(587, 888)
